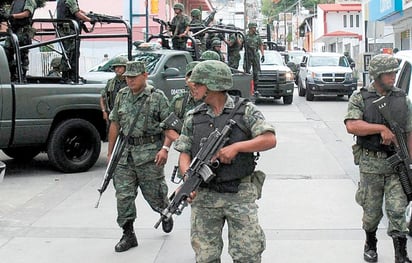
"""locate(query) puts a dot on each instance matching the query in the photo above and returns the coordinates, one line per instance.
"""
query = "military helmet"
(195, 12)
(209, 55)
(251, 24)
(216, 75)
(216, 43)
(190, 67)
(119, 61)
(179, 6)
(56, 62)
(382, 63)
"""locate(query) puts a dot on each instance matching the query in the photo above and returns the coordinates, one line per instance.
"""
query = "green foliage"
(271, 10)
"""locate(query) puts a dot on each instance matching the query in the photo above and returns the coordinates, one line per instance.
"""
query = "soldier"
(139, 108)
(216, 46)
(209, 55)
(113, 86)
(179, 26)
(55, 65)
(196, 24)
(69, 9)
(234, 45)
(253, 43)
(231, 195)
(374, 144)
(20, 18)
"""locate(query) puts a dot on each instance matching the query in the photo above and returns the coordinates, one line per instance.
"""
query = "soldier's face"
(387, 80)
(137, 83)
(119, 70)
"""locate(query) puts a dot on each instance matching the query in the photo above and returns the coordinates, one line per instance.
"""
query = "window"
(357, 20)
(345, 24)
(351, 20)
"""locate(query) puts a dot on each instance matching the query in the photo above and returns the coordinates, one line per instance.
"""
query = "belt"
(381, 155)
(144, 139)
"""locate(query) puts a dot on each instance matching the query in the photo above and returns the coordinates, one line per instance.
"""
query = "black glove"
(4, 16)
(262, 59)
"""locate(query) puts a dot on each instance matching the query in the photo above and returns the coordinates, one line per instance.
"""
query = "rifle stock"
(400, 161)
(114, 160)
(199, 171)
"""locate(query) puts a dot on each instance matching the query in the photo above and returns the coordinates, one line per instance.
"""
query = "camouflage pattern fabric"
(215, 74)
(179, 23)
(252, 45)
(110, 91)
(134, 68)
(382, 63)
(136, 166)
(378, 181)
(233, 51)
(210, 209)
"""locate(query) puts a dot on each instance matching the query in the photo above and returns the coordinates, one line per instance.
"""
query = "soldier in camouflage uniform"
(253, 43)
(196, 24)
(234, 45)
(216, 46)
(230, 196)
(55, 65)
(142, 163)
(69, 9)
(209, 55)
(20, 18)
(378, 181)
(113, 86)
(179, 26)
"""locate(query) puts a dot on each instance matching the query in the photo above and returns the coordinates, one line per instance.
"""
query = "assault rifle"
(98, 18)
(401, 161)
(114, 160)
(163, 24)
(209, 18)
(199, 171)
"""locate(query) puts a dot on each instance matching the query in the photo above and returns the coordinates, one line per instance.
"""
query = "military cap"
(134, 68)
(251, 24)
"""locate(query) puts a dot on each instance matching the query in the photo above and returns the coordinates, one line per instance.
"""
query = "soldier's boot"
(401, 256)
(370, 250)
(128, 239)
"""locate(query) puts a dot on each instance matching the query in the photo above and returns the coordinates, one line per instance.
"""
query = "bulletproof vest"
(18, 7)
(399, 109)
(63, 11)
(114, 85)
(228, 176)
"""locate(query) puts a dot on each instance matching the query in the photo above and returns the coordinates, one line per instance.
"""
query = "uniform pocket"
(357, 152)
(360, 195)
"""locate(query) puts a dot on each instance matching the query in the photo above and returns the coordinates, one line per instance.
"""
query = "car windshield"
(150, 60)
(328, 61)
(273, 59)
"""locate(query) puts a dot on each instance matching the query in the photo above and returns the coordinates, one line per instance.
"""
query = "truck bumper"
(332, 89)
(276, 91)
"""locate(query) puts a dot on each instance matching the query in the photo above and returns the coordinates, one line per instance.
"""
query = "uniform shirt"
(72, 5)
(253, 118)
(30, 5)
(253, 43)
(181, 22)
(112, 87)
(124, 112)
(355, 111)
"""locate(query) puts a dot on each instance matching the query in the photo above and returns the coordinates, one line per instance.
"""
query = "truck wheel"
(74, 146)
(287, 99)
(301, 90)
(309, 94)
(22, 153)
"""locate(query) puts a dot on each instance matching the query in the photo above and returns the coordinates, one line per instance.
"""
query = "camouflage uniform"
(378, 181)
(24, 32)
(55, 64)
(179, 24)
(252, 45)
(111, 89)
(66, 9)
(210, 209)
(233, 51)
(136, 167)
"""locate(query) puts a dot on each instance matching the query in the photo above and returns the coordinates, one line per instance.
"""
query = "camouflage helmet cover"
(56, 62)
(216, 75)
(216, 43)
(195, 12)
(190, 67)
(179, 6)
(382, 63)
(134, 68)
(119, 61)
(251, 24)
(209, 55)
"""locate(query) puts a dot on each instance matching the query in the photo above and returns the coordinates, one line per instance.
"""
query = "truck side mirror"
(171, 72)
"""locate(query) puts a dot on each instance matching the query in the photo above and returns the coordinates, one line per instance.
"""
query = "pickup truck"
(166, 68)
(43, 115)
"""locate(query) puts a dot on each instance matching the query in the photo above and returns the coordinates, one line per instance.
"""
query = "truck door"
(6, 101)
(173, 84)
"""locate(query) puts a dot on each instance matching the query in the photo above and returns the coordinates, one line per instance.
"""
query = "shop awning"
(337, 35)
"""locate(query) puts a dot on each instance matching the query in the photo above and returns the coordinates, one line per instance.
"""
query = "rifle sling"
(135, 119)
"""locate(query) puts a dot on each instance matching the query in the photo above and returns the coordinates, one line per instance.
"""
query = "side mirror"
(171, 72)
(302, 64)
(352, 65)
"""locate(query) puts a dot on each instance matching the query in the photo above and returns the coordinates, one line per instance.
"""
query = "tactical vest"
(399, 110)
(114, 85)
(18, 7)
(63, 11)
(228, 176)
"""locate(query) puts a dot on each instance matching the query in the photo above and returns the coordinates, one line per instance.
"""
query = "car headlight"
(349, 76)
(290, 76)
(316, 76)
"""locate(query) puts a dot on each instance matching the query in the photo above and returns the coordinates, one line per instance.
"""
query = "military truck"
(39, 114)
(166, 66)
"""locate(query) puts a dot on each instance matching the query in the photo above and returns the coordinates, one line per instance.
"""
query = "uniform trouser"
(372, 191)
(24, 35)
(246, 237)
(69, 45)
(151, 180)
(233, 60)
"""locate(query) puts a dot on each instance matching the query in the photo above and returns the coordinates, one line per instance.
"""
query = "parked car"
(325, 73)
(403, 78)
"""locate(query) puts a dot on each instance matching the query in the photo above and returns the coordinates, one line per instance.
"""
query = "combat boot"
(401, 256)
(128, 239)
(370, 250)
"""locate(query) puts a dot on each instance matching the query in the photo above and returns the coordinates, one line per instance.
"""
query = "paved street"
(308, 210)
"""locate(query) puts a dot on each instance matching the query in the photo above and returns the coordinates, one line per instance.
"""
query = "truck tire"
(22, 153)
(309, 94)
(288, 99)
(301, 90)
(74, 146)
